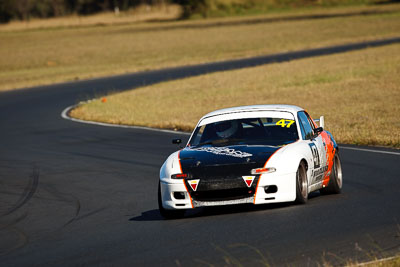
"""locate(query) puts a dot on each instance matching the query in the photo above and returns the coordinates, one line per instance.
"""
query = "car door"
(316, 145)
(320, 143)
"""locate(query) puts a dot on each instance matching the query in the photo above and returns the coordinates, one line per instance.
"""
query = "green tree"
(6, 10)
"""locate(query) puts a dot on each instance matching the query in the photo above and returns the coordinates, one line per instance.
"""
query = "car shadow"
(148, 216)
(154, 215)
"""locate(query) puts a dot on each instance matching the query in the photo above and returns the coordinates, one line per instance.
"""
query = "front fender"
(287, 159)
(170, 166)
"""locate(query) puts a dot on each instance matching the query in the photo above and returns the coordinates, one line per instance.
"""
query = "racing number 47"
(285, 123)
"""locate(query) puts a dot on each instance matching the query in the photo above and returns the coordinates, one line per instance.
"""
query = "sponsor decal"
(225, 151)
(248, 180)
(318, 173)
(194, 183)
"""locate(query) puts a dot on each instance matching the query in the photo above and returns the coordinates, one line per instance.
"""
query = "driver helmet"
(226, 129)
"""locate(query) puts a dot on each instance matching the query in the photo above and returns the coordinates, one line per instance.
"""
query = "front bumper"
(285, 191)
(168, 191)
(285, 188)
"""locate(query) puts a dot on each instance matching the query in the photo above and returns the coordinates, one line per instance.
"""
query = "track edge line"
(64, 115)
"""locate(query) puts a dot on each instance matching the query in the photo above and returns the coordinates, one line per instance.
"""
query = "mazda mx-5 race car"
(251, 154)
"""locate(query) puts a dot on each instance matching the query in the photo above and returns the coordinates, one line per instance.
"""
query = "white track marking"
(377, 261)
(64, 115)
(371, 150)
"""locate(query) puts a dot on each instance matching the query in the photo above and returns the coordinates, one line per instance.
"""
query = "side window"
(310, 121)
(306, 129)
(303, 133)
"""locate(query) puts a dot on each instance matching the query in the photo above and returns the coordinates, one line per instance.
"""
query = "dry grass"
(44, 56)
(358, 92)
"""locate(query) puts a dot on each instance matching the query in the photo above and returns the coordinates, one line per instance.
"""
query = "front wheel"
(168, 214)
(336, 178)
(301, 184)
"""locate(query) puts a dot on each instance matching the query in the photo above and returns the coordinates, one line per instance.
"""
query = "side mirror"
(318, 130)
(177, 141)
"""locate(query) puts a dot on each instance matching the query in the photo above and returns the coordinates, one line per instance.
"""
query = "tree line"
(26, 9)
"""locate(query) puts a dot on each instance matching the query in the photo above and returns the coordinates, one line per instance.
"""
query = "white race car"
(251, 154)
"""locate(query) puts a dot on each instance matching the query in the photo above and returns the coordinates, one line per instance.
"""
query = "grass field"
(357, 92)
(46, 54)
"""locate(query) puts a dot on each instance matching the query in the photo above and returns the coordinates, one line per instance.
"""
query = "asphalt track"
(74, 194)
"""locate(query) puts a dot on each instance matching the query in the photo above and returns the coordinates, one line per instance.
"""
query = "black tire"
(336, 178)
(168, 214)
(301, 184)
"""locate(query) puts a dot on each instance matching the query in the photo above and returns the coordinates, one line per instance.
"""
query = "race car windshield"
(254, 131)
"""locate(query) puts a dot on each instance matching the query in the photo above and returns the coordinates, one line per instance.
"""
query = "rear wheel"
(335, 179)
(301, 184)
(168, 214)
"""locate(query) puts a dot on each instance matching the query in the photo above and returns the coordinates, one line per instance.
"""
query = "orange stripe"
(265, 165)
(183, 180)
(330, 153)
(191, 203)
(179, 160)
(254, 201)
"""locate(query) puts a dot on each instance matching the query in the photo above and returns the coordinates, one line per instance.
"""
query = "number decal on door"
(314, 150)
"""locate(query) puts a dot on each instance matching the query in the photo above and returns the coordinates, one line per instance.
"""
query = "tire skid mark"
(13, 222)
(28, 192)
(89, 214)
(78, 209)
(66, 198)
(22, 238)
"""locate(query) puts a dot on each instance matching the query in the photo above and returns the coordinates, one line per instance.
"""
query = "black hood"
(222, 162)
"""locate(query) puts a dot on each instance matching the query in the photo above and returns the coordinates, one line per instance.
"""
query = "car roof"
(288, 108)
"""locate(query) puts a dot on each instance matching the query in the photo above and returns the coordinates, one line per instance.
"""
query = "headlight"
(262, 170)
(181, 176)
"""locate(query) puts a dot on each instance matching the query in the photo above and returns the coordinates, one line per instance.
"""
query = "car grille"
(221, 189)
